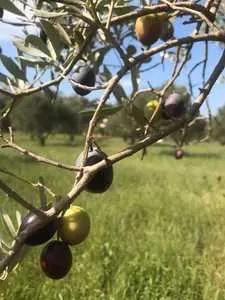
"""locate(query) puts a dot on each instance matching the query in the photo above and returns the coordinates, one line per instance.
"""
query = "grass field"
(157, 233)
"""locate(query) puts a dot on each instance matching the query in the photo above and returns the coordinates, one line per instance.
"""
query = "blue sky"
(156, 76)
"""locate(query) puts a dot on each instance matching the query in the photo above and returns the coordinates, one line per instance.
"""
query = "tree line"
(41, 116)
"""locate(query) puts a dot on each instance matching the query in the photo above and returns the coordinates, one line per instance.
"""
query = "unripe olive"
(74, 226)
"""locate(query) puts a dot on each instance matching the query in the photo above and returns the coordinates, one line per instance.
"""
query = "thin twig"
(14, 195)
(39, 158)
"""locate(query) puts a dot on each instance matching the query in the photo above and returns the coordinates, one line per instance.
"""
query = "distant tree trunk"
(42, 139)
(71, 137)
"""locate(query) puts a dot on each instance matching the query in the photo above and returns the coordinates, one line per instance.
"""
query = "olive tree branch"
(191, 11)
(111, 6)
(38, 158)
(132, 64)
(162, 8)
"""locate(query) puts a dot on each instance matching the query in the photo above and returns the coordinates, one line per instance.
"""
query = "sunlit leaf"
(18, 218)
(37, 43)
(62, 34)
(47, 14)
(32, 62)
(53, 35)
(29, 49)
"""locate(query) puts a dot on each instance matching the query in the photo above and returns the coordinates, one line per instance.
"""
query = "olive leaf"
(53, 36)
(12, 67)
(5, 109)
(9, 225)
(18, 219)
(47, 14)
(9, 6)
(32, 62)
(37, 43)
(19, 44)
(62, 34)
(4, 78)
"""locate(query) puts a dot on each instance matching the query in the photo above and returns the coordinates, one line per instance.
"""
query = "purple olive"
(101, 180)
(86, 76)
(56, 259)
(40, 236)
(173, 107)
(179, 153)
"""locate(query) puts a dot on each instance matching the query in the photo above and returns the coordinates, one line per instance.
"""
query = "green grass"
(157, 233)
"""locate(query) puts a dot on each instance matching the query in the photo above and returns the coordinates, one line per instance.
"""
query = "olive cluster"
(72, 227)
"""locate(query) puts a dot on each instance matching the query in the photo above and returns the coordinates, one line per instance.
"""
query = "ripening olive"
(148, 28)
(74, 226)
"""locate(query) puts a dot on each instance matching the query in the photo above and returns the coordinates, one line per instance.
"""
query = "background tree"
(219, 127)
(36, 116)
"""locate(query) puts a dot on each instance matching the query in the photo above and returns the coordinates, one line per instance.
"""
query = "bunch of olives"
(72, 227)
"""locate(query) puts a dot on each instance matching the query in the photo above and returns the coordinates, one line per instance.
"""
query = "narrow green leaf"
(62, 34)
(9, 225)
(3, 251)
(12, 67)
(3, 78)
(18, 219)
(32, 62)
(54, 39)
(4, 110)
(29, 50)
(9, 6)
(37, 43)
(47, 14)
